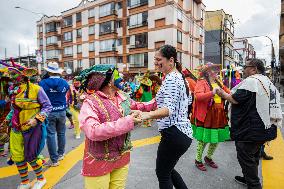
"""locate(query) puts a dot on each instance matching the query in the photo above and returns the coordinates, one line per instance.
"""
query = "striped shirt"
(172, 95)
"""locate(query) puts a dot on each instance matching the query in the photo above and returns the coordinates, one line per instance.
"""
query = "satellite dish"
(68, 71)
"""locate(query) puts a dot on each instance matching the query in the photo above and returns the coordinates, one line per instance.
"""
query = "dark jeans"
(56, 126)
(173, 145)
(248, 154)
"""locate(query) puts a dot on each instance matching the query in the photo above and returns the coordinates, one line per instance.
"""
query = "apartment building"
(281, 42)
(219, 36)
(125, 33)
(244, 48)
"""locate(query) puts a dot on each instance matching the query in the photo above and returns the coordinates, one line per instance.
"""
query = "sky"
(251, 17)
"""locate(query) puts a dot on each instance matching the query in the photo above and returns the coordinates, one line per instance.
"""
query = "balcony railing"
(143, 45)
(108, 49)
(145, 23)
(141, 3)
(107, 32)
(110, 12)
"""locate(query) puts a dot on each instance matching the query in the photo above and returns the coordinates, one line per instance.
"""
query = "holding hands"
(138, 116)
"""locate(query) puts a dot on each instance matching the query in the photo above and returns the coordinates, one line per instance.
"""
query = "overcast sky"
(252, 17)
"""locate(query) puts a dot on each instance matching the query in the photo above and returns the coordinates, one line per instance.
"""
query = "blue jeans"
(56, 125)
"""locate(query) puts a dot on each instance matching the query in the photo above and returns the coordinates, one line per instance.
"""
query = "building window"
(137, 3)
(68, 51)
(78, 17)
(119, 24)
(40, 29)
(119, 5)
(52, 54)
(127, 40)
(92, 30)
(79, 48)
(92, 61)
(138, 20)
(79, 64)
(51, 40)
(179, 56)
(107, 45)
(138, 60)
(120, 59)
(200, 48)
(67, 21)
(179, 36)
(107, 27)
(92, 46)
(119, 42)
(107, 9)
(201, 31)
(139, 40)
(41, 42)
(91, 13)
(68, 65)
(202, 14)
(50, 27)
(79, 33)
(67, 36)
(108, 60)
(179, 15)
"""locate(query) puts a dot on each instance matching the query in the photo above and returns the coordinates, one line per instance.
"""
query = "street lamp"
(42, 15)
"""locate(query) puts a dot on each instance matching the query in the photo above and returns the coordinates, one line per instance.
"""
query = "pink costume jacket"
(107, 126)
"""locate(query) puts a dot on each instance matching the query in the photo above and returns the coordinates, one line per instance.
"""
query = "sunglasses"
(247, 66)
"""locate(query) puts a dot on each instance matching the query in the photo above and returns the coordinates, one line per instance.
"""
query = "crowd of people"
(105, 107)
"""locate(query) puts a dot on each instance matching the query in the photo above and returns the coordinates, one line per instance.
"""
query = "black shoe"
(266, 157)
(241, 180)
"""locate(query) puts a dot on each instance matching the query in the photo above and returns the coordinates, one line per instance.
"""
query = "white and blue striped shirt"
(172, 95)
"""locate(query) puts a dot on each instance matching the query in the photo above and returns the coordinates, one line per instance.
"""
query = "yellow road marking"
(273, 170)
(9, 171)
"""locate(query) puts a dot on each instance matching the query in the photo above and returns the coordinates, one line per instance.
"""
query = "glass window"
(41, 41)
(136, 3)
(40, 29)
(79, 48)
(139, 40)
(68, 65)
(67, 36)
(79, 63)
(52, 54)
(92, 61)
(50, 27)
(107, 27)
(108, 60)
(107, 45)
(92, 46)
(68, 51)
(179, 15)
(51, 40)
(137, 20)
(138, 60)
(92, 30)
(179, 56)
(179, 36)
(200, 47)
(106, 9)
(67, 21)
(119, 24)
(79, 33)
(119, 5)
(119, 42)
(78, 17)
(91, 13)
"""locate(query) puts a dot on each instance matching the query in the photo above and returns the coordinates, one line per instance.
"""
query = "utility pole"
(5, 54)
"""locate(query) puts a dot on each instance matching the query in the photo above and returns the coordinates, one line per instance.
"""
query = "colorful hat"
(145, 79)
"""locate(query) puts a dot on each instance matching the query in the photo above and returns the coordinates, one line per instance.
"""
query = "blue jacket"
(56, 89)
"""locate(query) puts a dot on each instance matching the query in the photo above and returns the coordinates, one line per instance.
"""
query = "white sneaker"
(39, 184)
(24, 186)
(51, 164)
(61, 157)
(77, 137)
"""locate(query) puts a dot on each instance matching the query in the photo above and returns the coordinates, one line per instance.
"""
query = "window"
(67, 21)
(79, 48)
(119, 42)
(91, 13)
(139, 40)
(108, 60)
(52, 54)
(92, 61)
(79, 64)
(201, 31)
(51, 40)
(107, 27)
(68, 51)
(200, 47)
(138, 20)
(120, 59)
(136, 3)
(179, 15)
(119, 24)
(79, 33)
(138, 60)
(41, 42)
(50, 27)
(202, 14)
(92, 46)
(179, 36)
(107, 9)
(107, 45)
(67, 36)
(179, 56)
(68, 65)
(92, 30)
(78, 17)
(119, 5)
(127, 40)
(40, 29)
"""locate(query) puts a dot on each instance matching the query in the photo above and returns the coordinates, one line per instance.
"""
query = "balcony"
(108, 13)
(145, 23)
(141, 3)
(108, 49)
(107, 32)
(136, 46)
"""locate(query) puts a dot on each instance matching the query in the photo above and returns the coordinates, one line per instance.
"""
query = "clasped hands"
(138, 116)
(220, 92)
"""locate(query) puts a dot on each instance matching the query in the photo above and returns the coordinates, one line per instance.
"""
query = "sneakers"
(77, 137)
(61, 157)
(39, 184)
(200, 166)
(210, 162)
(51, 164)
(241, 180)
(24, 186)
